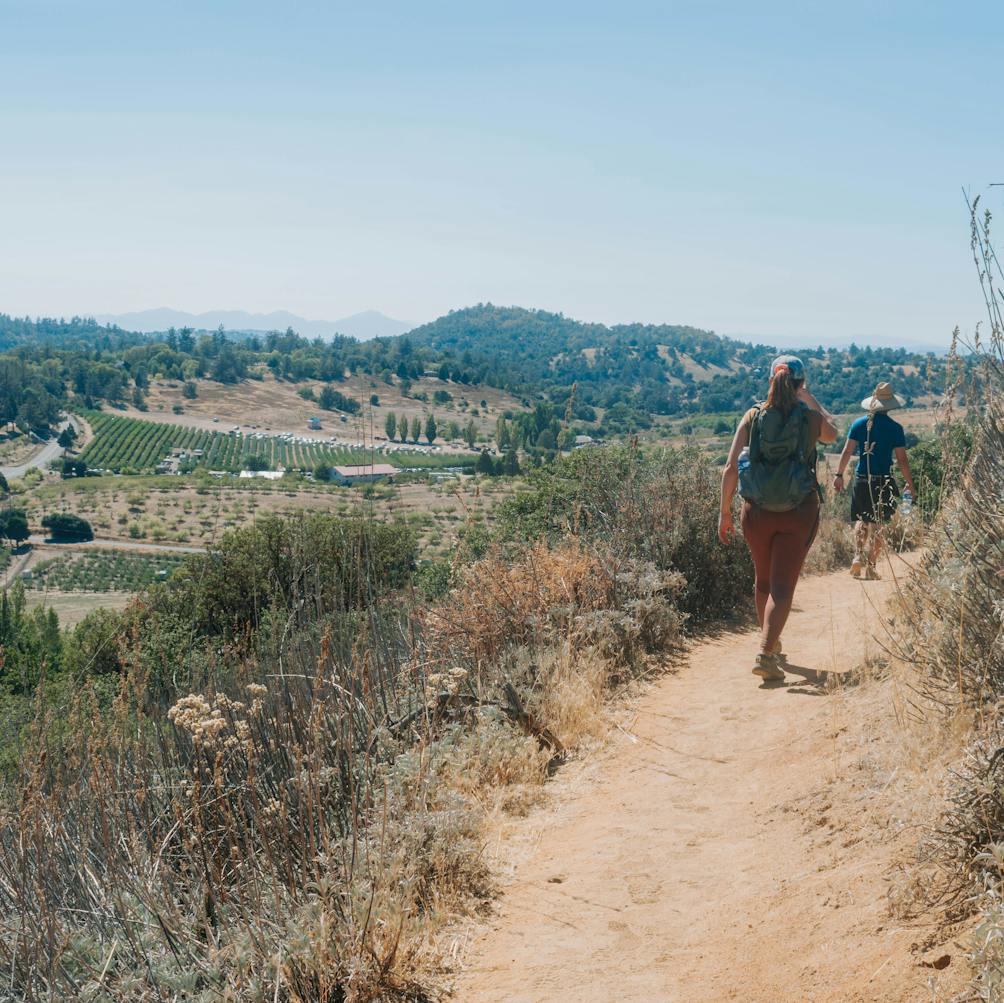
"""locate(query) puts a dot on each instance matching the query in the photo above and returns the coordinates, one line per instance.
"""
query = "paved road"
(42, 458)
(105, 544)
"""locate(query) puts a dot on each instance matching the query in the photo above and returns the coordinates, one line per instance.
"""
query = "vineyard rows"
(131, 445)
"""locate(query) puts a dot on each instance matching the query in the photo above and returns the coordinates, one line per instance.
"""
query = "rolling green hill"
(632, 371)
(660, 369)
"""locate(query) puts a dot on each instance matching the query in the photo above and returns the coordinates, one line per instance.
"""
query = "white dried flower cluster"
(196, 715)
(207, 722)
(447, 682)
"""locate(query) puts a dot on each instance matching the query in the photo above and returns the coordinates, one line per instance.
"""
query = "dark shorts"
(874, 499)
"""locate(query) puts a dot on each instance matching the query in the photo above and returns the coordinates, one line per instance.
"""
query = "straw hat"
(883, 399)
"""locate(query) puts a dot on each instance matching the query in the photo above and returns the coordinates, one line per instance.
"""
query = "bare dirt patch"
(16, 448)
(72, 607)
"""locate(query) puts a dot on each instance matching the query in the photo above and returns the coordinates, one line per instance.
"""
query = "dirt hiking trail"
(728, 844)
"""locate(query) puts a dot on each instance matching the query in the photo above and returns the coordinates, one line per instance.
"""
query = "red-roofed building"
(363, 473)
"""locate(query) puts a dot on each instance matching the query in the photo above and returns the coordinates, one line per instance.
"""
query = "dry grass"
(72, 607)
(16, 447)
(948, 634)
(499, 605)
(298, 831)
(277, 406)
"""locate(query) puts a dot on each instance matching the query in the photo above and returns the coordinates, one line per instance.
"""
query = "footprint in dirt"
(643, 889)
(624, 932)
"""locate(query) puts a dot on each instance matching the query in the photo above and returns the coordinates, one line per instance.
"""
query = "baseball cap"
(794, 364)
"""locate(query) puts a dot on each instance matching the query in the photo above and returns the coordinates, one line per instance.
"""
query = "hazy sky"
(788, 170)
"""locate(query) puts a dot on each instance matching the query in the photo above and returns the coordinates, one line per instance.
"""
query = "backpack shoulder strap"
(754, 445)
(805, 437)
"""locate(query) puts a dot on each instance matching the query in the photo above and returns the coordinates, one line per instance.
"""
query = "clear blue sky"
(792, 171)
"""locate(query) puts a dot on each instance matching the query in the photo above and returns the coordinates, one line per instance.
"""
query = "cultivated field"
(134, 445)
(92, 570)
(198, 510)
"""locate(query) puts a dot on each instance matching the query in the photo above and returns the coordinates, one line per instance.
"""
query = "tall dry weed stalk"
(951, 614)
(949, 630)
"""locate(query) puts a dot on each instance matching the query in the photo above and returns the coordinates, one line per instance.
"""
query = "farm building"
(265, 475)
(314, 423)
(363, 473)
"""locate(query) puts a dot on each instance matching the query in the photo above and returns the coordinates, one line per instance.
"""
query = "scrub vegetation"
(948, 633)
(282, 760)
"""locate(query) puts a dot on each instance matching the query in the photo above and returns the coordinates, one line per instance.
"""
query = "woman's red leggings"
(778, 543)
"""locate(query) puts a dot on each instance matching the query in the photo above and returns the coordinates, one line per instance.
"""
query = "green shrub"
(660, 506)
(433, 580)
(65, 526)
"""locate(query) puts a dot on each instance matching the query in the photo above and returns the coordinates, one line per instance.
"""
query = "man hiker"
(773, 463)
(876, 438)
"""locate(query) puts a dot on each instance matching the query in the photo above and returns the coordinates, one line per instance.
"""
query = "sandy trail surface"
(728, 844)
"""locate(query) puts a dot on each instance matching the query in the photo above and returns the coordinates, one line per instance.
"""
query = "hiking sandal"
(872, 575)
(768, 669)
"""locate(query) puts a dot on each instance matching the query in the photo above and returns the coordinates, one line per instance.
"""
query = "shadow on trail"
(813, 682)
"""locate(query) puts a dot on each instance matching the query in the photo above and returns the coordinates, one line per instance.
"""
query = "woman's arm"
(730, 480)
(828, 429)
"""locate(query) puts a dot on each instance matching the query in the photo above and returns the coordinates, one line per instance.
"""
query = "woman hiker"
(876, 438)
(780, 512)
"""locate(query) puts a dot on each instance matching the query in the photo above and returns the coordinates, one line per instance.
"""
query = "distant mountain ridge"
(364, 326)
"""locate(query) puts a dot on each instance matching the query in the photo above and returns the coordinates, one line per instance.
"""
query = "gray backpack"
(781, 470)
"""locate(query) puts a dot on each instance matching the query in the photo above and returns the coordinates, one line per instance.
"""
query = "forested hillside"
(659, 369)
(634, 370)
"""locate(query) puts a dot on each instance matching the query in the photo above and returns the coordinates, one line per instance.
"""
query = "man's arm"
(845, 457)
(828, 429)
(903, 462)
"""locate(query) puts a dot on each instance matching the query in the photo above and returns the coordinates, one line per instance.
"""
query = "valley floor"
(734, 842)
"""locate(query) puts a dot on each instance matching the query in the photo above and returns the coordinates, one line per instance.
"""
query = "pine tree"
(502, 434)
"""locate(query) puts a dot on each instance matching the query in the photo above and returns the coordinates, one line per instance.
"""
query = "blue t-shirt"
(875, 451)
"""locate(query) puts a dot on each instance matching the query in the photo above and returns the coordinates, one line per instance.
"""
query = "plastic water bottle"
(744, 459)
(906, 506)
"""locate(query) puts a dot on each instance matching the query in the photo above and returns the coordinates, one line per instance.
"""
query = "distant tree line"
(630, 372)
